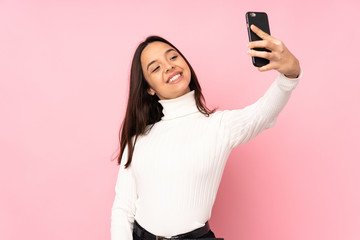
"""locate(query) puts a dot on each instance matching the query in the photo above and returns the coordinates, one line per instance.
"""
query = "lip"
(174, 74)
(177, 80)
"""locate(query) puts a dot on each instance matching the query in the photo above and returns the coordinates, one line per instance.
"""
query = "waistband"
(146, 235)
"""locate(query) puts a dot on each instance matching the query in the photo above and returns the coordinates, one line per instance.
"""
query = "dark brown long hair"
(143, 110)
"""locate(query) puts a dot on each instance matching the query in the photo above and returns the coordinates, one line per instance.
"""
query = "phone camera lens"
(253, 14)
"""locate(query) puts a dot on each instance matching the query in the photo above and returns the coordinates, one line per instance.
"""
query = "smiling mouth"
(174, 78)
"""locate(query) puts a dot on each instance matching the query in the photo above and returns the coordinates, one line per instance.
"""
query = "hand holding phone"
(259, 19)
(267, 51)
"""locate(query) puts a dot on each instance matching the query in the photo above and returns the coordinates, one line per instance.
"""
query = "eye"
(174, 57)
(155, 69)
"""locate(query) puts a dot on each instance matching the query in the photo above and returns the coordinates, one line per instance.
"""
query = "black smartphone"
(259, 19)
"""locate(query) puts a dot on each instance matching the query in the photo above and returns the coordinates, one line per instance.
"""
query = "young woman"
(173, 149)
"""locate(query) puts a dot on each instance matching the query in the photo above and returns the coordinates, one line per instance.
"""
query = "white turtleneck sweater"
(172, 182)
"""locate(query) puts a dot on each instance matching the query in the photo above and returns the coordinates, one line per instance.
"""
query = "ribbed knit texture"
(172, 182)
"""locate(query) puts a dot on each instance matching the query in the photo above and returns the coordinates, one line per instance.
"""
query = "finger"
(262, 54)
(263, 44)
(267, 67)
(260, 32)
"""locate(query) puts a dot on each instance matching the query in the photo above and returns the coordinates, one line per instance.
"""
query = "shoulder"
(218, 117)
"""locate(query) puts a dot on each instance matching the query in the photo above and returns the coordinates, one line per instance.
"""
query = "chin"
(184, 91)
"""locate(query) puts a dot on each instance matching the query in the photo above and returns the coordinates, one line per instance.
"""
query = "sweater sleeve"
(123, 209)
(242, 125)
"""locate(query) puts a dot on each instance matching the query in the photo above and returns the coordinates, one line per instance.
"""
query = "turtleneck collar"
(179, 107)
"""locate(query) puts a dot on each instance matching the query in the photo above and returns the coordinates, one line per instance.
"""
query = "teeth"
(174, 78)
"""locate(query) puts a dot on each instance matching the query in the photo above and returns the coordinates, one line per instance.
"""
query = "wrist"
(296, 73)
(292, 75)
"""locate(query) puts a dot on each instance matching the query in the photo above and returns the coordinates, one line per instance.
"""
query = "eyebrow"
(167, 51)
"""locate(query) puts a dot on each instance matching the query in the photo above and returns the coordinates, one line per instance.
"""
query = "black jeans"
(210, 234)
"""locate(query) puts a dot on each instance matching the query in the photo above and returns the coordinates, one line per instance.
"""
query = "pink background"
(64, 70)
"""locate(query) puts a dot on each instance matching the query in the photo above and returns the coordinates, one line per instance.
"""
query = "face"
(165, 70)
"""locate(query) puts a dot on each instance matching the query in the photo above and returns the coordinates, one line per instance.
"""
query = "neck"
(180, 106)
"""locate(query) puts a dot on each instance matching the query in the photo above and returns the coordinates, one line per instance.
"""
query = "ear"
(151, 91)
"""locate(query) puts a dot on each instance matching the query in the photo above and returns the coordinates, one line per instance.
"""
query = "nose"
(168, 67)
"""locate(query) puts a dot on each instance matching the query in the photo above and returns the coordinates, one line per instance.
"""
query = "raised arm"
(123, 209)
(244, 124)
